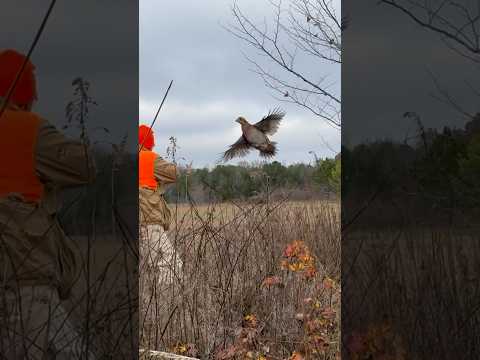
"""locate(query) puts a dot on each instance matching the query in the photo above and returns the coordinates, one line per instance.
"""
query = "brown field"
(415, 280)
(232, 299)
(247, 289)
(108, 311)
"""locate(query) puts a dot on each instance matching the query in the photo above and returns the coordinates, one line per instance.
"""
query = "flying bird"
(255, 136)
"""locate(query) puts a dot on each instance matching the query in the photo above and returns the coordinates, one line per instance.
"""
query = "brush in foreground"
(255, 137)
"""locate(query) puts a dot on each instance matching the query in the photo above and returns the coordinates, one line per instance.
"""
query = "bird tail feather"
(270, 150)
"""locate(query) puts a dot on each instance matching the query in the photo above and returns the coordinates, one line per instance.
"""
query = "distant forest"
(252, 180)
(90, 208)
(436, 173)
(439, 169)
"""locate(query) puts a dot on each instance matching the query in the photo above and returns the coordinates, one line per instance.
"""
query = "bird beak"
(237, 120)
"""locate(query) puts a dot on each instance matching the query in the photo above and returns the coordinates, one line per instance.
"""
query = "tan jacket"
(153, 207)
(34, 249)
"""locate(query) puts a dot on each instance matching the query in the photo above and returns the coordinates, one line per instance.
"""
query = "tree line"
(440, 167)
(250, 180)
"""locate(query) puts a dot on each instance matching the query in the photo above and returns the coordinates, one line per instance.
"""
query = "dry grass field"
(404, 286)
(103, 297)
(258, 281)
(262, 281)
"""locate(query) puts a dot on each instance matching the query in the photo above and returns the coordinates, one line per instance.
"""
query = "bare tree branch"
(457, 23)
(301, 31)
(445, 97)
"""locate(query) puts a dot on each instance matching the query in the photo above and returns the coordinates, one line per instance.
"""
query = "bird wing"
(239, 148)
(269, 124)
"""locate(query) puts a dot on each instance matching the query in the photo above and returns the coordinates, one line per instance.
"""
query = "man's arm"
(62, 161)
(164, 171)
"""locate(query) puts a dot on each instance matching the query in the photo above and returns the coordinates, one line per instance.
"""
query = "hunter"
(155, 174)
(39, 264)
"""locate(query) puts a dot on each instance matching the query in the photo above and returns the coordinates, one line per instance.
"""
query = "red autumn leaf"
(192, 350)
(272, 281)
(296, 356)
(290, 250)
(310, 272)
(318, 341)
(228, 353)
(328, 313)
(356, 343)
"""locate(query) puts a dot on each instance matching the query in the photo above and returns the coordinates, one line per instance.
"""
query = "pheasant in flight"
(255, 136)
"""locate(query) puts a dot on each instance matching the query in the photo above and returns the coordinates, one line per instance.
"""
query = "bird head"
(241, 120)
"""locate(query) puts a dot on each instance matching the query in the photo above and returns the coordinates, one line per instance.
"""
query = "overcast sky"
(213, 84)
(385, 72)
(77, 41)
(387, 68)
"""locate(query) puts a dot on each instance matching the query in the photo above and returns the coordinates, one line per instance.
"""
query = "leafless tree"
(457, 23)
(297, 33)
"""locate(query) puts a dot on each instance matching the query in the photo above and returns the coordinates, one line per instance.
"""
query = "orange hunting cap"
(145, 137)
(11, 63)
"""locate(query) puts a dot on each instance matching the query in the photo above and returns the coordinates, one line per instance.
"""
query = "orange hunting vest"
(146, 164)
(18, 138)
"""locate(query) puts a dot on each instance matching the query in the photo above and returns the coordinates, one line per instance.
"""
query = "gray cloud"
(97, 40)
(386, 71)
(212, 81)
(213, 84)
